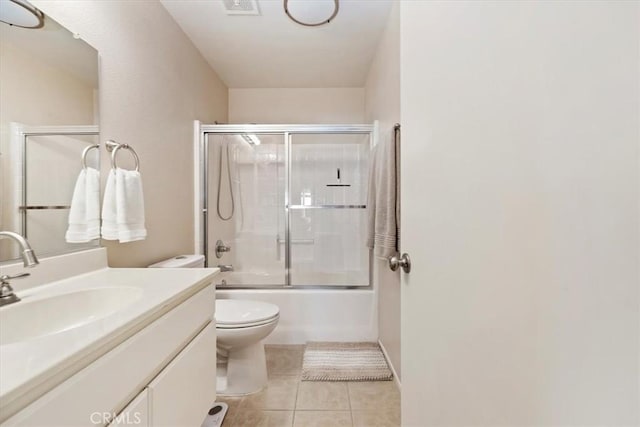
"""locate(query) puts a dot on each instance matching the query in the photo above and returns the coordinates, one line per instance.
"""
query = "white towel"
(383, 198)
(109, 221)
(123, 207)
(84, 215)
(130, 206)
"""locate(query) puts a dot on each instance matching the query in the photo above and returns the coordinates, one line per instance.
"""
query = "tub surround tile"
(328, 396)
(322, 419)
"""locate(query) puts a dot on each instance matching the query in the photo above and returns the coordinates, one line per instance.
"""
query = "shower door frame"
(21, 133)
(287, 131)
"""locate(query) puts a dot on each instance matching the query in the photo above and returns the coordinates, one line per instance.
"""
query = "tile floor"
(289, 402)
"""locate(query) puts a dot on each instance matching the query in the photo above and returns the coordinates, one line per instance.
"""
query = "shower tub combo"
(282, 211)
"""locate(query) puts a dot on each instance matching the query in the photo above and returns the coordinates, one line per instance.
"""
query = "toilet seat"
(234, 314)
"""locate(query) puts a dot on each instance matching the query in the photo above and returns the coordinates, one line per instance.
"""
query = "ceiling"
(269, 50)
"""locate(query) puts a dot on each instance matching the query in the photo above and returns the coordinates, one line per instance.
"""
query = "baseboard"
(396, 379)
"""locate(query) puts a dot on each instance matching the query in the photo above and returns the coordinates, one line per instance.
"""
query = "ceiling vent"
(241, 7)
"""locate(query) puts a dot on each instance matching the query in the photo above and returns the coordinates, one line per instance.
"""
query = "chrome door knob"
(404, 261)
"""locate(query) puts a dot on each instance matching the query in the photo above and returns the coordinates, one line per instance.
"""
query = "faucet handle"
(7, 295)
(5, 278)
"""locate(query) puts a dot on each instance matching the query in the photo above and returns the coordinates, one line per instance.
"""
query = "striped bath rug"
(344, 361)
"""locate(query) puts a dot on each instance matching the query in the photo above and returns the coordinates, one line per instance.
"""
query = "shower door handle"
(404, 261)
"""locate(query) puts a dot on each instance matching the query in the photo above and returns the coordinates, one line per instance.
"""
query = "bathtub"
(309, 314)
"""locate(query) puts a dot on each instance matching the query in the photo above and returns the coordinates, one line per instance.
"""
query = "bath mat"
(344, 361)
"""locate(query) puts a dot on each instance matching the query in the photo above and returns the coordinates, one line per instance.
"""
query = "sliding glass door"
(285, 205)
(246, 198)
(327, 209)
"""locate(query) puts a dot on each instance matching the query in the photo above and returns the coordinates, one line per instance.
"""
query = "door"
(135, 413)
(245, 212)
(328, 175)
(185, 390)
(520, 129)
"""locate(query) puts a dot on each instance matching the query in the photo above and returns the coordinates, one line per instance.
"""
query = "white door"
(520, 213)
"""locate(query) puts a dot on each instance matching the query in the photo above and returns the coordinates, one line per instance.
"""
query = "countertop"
(30, 368)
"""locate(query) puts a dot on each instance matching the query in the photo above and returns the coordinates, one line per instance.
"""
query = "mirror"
(48, 116)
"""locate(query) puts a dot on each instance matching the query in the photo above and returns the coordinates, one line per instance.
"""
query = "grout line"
(349, 399)
(295, 403)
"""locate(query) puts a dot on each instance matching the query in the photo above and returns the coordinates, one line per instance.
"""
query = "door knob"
(404, 261)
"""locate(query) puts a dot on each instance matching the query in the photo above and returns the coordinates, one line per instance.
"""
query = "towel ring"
(128, 147)
(85, 152)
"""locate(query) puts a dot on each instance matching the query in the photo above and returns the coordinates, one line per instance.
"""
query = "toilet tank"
(181, 261)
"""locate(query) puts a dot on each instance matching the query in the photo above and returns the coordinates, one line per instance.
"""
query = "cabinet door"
(136, 413)
(185, 390)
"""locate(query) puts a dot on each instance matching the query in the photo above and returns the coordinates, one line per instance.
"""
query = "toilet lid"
(230, 312)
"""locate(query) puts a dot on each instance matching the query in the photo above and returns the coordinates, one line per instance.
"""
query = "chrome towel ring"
(112, 145)
(85, 152)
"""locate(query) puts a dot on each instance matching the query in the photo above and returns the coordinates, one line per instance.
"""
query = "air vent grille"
(241, 7)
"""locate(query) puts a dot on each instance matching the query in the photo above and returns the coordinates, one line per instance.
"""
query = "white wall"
(297, 106)
(153, 84)
(520, 145)
(382, 103)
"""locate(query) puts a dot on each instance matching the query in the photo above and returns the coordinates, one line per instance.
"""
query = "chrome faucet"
(223, 268)
(29, 259)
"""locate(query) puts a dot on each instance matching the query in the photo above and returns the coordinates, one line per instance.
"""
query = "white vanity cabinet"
(184, 391)
(164, 374)
(177, 396)
(136, 413)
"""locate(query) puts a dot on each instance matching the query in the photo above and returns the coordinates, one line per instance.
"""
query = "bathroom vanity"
(110, 347)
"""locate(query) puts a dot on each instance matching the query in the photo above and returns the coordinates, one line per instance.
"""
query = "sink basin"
(27, 320)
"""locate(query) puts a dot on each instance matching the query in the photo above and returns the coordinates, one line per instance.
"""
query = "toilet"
(241, 325)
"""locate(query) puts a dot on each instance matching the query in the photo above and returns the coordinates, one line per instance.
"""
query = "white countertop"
(32, 367)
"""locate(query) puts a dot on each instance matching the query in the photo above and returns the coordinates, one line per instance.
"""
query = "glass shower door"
(327, 209)
(246, 182)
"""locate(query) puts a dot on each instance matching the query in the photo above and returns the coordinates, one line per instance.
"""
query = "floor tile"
(322, 395)
(284, 359)
(374, 395)
(280, 394)
(253, 418)
(378, 418)
(234, 404)
(322, 419)
(289, 402)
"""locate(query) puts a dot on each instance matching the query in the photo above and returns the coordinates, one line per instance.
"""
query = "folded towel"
(383, 199)
(84, 215)
(123, 207)
(109, 221)
(129, 206)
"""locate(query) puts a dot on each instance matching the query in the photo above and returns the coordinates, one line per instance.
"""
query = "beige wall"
(520, 212)
(153, 84)
(382, 103)
(297, 106)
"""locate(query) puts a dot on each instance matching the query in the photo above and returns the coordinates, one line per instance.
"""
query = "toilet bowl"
(241, 325)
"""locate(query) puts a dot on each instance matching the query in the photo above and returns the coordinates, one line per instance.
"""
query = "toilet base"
(244, 372)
